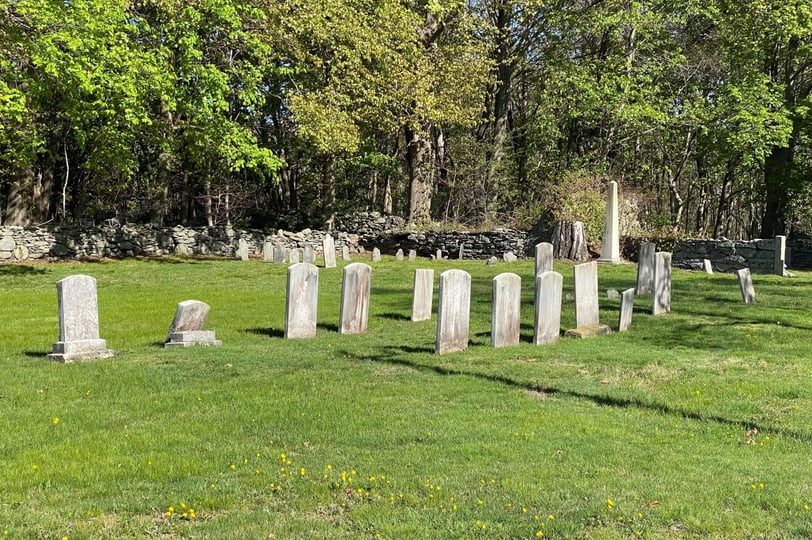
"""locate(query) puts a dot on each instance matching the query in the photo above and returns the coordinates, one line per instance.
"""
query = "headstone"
(329, 247)
(301, 301)
(295, 256)
(586, 294)
(422, 294)
(662, 283)
(345, 253)
(492, 261)
(439, 255)
(708, 266)
(267, 252)
(453, 311)
(412, 255)
(626, 310)
(780, 261)
(645, 268)
(746, 286)
(376, 255)
(612, 294)
(355, 287)
(242, 250)
(506, 310)
(279, 254)
(309, 255)
(547, 324)
(187, 326)
(610, 246)
(20, 252)
(78, 321)
(461, 253)
(509, 257)
(544, 257)
(399, 255)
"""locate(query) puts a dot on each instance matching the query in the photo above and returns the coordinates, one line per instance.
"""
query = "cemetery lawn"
(694, 424)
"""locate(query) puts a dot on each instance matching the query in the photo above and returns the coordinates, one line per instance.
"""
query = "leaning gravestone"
(645, 268)
(453, 311)
(329, 247)
(662, 283)
(345, 253)
(399, 255)
(309, 255)
(376, 255)
(295, 256)
(242, 250)
(422, 294)
(187, 326)
(355, 287)
(279, 254)
(626, 310)
(412, 255)
(547, 324)
(301, 301)
(267, 252)
(544, 257)
(746, 286)
(708, 266)
(78, 321)
(506, 310)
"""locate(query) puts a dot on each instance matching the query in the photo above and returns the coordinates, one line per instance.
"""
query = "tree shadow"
(21, 270)
(393, 355)
(394, 316)
(268, 332)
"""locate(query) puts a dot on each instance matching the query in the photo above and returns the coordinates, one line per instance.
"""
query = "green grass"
(691, 425)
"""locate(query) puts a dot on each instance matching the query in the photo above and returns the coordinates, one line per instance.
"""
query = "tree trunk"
(777, 171)
(569, 241)
(328, 195)
(18, 199)
(421, 174)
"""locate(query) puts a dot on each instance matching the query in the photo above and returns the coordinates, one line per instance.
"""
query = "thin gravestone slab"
(301, 301)
(187, 326)
(295, 256)
(453, 312)
(780, 256)
(355, 287)
(279, 254)
(586, 294)
(662, 283)
(412, 255)
(645, 268)
(309, 255)
(461, 253)
(610, 246)
(78, 309)
(422, 294)
(345, 253)
(746, 286)
(547, 324)
(399, 255)
(626, 310)
(267, 252)
(708, 266)
(438, 256)
(376, 255)
(544, 258)
(241, 254)
(329, 247)
(506, 310)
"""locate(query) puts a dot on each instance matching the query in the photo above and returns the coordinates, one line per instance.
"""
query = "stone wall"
(726, 255)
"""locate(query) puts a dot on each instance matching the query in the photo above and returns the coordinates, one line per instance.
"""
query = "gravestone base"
(85, 349)
(192, 337)
(590, 330)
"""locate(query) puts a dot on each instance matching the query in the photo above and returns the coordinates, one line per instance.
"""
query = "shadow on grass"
(21, 270)
(330, 327)
(35, 354)
(394, 316)
(269, 332)
(391, 355)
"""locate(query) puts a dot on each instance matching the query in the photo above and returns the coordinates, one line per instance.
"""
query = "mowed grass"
(691, 425)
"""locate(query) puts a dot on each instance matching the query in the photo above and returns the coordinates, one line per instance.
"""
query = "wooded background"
(475, 113)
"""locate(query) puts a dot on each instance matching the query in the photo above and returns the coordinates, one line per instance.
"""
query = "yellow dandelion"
(806, 507)
(55, 421)
(539, 534)
(551, 517)
(302, 471)
(610, 504)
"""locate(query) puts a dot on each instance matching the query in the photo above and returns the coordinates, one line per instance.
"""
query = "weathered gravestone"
(78, 309)
(412, 255)
(626, 310)
(242, 250)
(544, 257)
(547, 323)
(329, 247)
(610, 246)
(279, 254)
(295, 256)
(662, 283)
(309, 255)
(267, 252)
(461, 253)
(780, 258)
(399, 255)
(187, 326)
(708, 266)
(645, 268)
(301, 301)
(422, 294)
(345, 253)
(355, 287)
(587, 314)
(492, 261)
(506, 310)
(439, 255)
(376, 255)
(509, 257)
(453, 311)
(746, 286)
